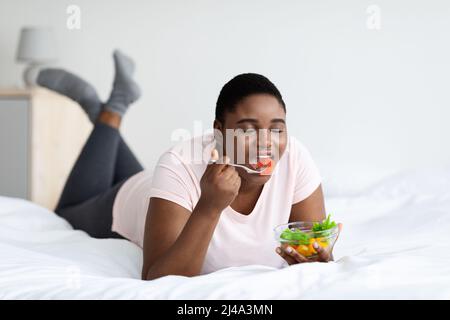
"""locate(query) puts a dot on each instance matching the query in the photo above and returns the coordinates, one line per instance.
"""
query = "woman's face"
(254, 131)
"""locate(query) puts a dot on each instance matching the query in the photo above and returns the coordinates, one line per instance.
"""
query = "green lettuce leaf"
(296, 236)
(321, 227)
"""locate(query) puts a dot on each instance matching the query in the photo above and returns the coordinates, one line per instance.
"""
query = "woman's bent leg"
(126, 163)
(94, 216)
(94, 170)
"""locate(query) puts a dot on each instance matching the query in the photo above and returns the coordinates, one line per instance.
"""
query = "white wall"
(365, 102)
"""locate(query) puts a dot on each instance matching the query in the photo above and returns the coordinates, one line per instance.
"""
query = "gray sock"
(125, 90)
(73, 87)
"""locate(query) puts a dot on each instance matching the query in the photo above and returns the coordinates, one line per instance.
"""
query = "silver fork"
(241, 166)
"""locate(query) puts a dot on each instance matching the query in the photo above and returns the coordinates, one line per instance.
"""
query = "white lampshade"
(36, 45)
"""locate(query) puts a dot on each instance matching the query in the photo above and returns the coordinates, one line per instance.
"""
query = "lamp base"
(30, 75)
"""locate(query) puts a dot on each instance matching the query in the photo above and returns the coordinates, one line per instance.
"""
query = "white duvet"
(395, 244)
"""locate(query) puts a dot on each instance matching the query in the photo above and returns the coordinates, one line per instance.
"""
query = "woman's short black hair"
(242, 86)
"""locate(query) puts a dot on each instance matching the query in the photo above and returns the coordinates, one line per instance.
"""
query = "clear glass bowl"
(303, 241)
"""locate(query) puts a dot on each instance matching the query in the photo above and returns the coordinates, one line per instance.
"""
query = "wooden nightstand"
(41, 135)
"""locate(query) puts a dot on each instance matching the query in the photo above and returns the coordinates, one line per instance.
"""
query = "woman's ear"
(217, 125)
(218, 136)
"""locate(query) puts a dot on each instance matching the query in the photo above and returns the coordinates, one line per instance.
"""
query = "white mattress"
(395, 244)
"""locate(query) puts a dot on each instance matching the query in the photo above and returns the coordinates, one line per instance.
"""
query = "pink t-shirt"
(238, 239)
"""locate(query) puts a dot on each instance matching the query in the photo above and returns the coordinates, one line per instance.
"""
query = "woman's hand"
(219, 184)
(293, 257)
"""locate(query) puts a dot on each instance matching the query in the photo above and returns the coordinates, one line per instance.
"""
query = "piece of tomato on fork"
(266, 163)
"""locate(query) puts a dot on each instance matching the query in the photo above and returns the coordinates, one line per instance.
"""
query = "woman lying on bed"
(192, 217)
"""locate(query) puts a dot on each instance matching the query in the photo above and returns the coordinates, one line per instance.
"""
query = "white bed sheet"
(395, 244)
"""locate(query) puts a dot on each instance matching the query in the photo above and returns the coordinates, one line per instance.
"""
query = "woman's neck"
(248, 196)
(249, 188)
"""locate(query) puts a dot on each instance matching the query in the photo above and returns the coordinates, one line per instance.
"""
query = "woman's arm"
(176, 240)
(310, 209)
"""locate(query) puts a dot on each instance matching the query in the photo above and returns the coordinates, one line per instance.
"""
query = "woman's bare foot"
(110, 118)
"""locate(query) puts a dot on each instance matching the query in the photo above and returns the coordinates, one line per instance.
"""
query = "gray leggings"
(104, 164)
